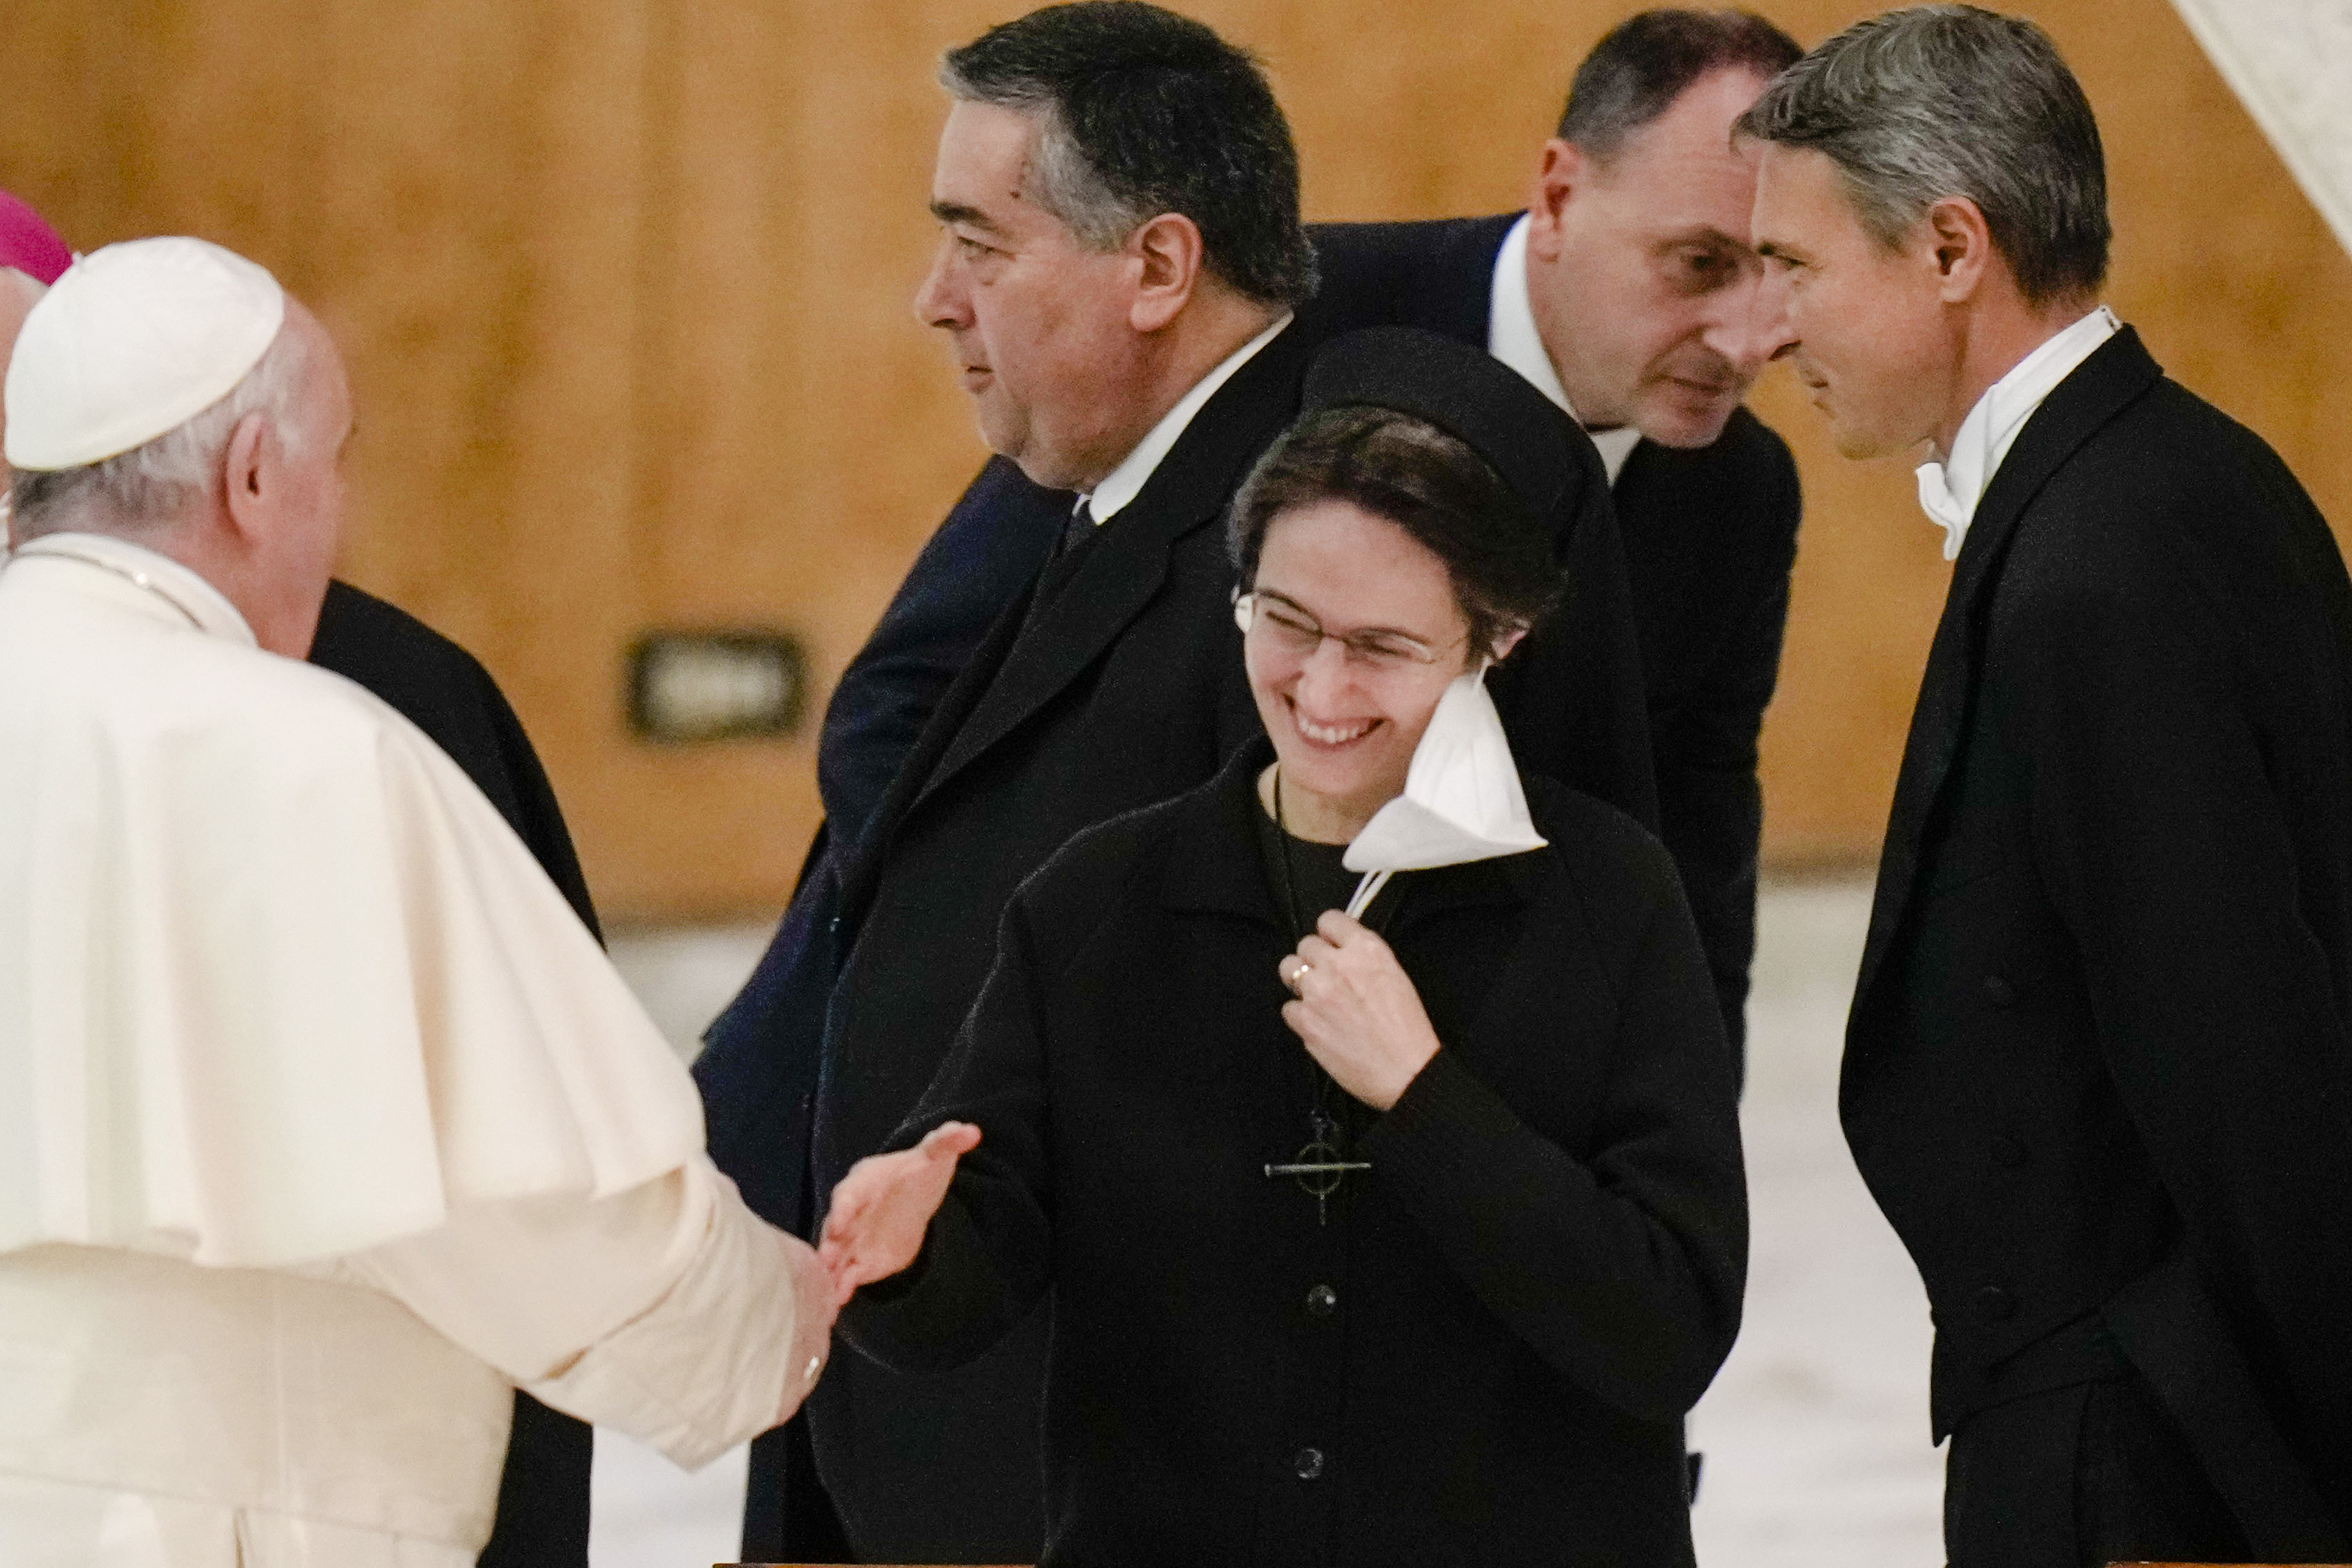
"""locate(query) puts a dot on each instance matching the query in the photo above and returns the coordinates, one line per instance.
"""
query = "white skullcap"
(134, 339)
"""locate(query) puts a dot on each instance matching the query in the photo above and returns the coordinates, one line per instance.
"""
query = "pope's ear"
(1505, 641)
(245, 470)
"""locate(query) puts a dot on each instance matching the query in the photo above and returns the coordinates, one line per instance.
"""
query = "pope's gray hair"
(160, 480)
(1935, 101)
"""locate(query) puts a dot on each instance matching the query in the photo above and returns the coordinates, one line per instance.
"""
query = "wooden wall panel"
(624, 287)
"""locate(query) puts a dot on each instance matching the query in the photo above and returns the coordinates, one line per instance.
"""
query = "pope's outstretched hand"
(881, 1209)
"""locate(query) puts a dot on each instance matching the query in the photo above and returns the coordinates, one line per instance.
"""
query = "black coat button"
(1308, 1464)
(1998, 991)
(1322, 1301)
(2007, 1150)
(1995, 1305)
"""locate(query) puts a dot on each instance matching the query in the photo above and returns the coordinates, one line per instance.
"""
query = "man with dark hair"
(1625, 293)
(1120, 261)
(1120, 252)
(2097, 1068)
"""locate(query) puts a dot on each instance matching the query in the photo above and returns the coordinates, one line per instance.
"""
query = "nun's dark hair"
(1407, 471)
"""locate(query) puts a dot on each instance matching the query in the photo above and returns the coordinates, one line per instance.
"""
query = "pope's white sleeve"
(669, 1311)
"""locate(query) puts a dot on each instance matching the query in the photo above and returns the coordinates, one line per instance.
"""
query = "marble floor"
(1816, 1431)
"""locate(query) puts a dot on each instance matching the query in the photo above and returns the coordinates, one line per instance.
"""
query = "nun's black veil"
(1539, 452)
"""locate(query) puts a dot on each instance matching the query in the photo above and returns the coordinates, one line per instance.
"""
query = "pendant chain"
(1323, 1165)
(136, 579)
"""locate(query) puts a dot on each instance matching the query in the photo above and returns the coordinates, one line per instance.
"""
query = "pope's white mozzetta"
(322, 1119)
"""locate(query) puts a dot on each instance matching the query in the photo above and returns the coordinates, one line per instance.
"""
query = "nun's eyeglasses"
(1293, 633)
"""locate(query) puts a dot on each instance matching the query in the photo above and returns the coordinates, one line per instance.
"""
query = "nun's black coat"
(1485, 1355)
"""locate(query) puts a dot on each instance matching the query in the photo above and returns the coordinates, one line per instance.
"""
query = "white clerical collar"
(1949, 490)
(1513, 338)
(1126, 482)
(177, 592)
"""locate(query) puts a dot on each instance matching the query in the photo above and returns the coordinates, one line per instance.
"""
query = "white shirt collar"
(172, 587)
(1513, 338)
(1125, 482)
(1949, 490)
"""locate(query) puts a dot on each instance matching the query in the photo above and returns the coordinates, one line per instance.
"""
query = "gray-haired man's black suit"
(2098, 1072)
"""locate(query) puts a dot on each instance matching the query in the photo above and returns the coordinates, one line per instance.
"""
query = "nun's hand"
(1357, 1010)
(881, 1209)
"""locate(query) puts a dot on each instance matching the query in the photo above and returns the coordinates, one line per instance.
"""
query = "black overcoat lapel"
(2116, 375)
(1124, 569)
(947, 722)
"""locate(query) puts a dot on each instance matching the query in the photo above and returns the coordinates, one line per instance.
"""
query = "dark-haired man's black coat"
(1124, 687)
(437, 686)
(2098, 1072)
(1710, 536)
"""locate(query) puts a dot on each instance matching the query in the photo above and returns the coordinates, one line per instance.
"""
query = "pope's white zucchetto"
(133, 340)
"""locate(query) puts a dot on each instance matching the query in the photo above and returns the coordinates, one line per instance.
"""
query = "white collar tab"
(1125, 482)
(1949, 490)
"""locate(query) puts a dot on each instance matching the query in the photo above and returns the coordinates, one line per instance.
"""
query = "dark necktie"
(1070, 554)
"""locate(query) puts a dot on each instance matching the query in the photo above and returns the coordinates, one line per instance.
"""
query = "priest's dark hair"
(1634, 73)
(1139, 113)
(1402, 467)
(1916, 106)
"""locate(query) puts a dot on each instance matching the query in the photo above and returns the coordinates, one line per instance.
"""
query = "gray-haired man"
(2097, 1069)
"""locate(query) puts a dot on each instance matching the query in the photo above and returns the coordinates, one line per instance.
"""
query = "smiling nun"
(1366, 1108)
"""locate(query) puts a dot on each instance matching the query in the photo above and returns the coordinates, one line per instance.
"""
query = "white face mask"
(1462, 799)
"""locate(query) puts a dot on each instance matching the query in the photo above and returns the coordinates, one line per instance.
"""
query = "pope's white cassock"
(322, 1119)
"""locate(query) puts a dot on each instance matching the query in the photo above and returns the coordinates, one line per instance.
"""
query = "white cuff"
(729, 1352)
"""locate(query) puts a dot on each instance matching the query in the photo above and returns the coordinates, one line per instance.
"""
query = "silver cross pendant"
(1319, 1171)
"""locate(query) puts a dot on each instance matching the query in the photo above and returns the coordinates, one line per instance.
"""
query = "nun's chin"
(1350, 780)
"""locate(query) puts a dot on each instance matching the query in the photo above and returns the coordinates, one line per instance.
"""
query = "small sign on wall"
(690, 687)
